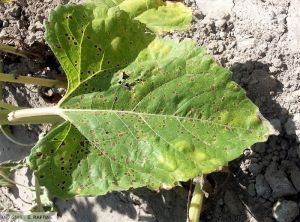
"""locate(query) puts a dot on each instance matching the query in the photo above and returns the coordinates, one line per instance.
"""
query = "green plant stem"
(5, 109)
(35, 116)
(38, 195)
(196, 204)
(51, 83)
(1, 84)
(15, 51)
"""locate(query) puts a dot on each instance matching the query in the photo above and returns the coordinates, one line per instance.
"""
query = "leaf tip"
(272, 130)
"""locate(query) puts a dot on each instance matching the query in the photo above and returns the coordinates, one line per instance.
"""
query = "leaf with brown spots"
(140, 110)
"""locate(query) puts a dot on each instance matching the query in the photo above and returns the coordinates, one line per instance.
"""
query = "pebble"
(262, 187)
(278, 181)
(5, 24)
(255, 168)
(285, 211)
(220, 23)
(277, 62)
(268, 37)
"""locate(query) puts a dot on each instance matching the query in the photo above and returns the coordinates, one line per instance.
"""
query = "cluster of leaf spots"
(87, 41)
(140, 110)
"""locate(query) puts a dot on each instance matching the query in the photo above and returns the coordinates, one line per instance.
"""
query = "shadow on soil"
(232, 200)
(162, 206)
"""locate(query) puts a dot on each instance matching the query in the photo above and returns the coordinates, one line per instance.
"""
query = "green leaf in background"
(173, 13)
(6, 1)
(157, 15)
(146, 111)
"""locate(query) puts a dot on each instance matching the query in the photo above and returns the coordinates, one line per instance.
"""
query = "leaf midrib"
(62, 112)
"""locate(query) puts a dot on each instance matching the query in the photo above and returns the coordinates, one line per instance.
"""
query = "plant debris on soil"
(258, 40)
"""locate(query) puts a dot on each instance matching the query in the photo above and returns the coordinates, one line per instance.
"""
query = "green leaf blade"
(149, 114)
(87, 40)
(169, 17)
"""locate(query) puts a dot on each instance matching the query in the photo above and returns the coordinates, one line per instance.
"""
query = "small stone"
(38, 25)
(295, 177)
(5, 24)
(255, 168)
(268, 37)
(221, 48)
(277, 62)
(285, 211)
(223, 35)
(220, 23)
(262, 187)
(212, 46)
(247, 152)
(278, 181)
